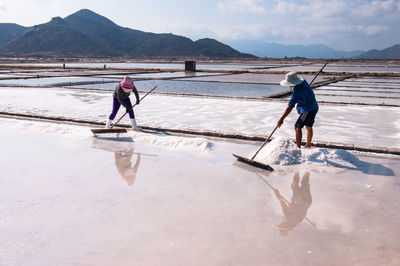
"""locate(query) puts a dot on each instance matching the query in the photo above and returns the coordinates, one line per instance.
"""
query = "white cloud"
(336, 8)
(372, 30)
(308, 21)
(328, 9)
(377, 8)
(317, 9)
(388, 5)
(232, 32)
(332, 19)
(204, 30)
(249, 6)
(3, 6)
(289, 8)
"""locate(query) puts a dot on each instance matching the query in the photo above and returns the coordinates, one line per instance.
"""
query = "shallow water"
(255, 78)
(372, 90)
(116, 202)
(353, 84)
(366, 100)
(52, 81)
(181, 74)
(378, 80)
(164, 65)
(202, 88)
(394, 94)
(344, 68)
(359, 89)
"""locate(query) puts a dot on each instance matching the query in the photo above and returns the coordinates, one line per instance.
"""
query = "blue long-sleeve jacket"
(303, 96)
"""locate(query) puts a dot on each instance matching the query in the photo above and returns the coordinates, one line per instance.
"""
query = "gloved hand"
(137, 101)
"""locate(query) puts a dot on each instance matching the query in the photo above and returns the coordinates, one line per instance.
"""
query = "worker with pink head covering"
(121, 97)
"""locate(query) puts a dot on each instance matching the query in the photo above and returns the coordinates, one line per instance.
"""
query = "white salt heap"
(281, 151)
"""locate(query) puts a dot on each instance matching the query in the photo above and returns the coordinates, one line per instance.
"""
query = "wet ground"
(89, 201)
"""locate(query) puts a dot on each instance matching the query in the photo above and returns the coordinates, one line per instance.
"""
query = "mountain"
(10, 32)
(87, 34)
(392, 52)
(55, 38)
(276, 50)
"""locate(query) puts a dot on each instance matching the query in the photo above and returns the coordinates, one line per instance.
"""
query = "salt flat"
(349, 124)
(68, 198)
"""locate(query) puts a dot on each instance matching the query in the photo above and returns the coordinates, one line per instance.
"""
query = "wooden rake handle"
(133, 106)
(265, 142)
(319, 72)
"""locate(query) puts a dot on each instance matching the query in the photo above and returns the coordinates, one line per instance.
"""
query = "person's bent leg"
(309, 136)
(115, 109)
(298, 126)
(129, 109)
(114, 112)
(309, 122)
(299, 136)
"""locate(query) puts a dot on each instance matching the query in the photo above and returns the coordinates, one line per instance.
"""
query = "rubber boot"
(108, 123)
(134, 125)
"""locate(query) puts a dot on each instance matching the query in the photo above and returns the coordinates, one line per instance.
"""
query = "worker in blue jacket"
(307, 106)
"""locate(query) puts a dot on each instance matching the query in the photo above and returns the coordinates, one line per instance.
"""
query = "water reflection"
(295, 210)
(123, 163)
(124, 151)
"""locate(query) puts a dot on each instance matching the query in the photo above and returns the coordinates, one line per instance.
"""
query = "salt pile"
(281, 151)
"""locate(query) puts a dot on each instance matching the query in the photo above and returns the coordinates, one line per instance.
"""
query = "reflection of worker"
(124, 165)
(295, 210)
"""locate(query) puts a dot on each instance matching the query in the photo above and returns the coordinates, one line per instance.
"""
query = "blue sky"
(341, 24)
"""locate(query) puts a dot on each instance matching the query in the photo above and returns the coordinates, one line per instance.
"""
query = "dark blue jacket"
(303, 96)
(121, 95)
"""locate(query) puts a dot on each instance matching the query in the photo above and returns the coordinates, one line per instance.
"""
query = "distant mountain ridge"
(392, 52)
(10, 32)
(88, 34)
(276, 50)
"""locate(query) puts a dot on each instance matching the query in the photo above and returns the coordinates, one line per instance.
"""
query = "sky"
(341, 24)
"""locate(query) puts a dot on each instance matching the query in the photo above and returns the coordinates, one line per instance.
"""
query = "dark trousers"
(117, 105)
